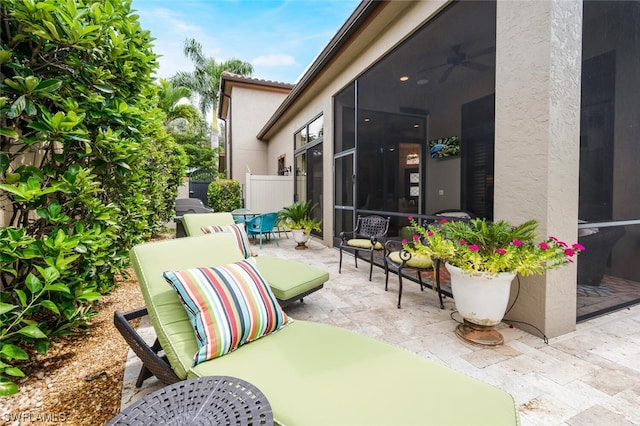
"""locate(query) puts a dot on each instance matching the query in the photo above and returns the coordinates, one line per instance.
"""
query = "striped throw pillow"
(228, 306)
(239, 232)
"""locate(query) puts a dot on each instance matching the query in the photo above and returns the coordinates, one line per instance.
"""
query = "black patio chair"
(368, 236)
(397, 258)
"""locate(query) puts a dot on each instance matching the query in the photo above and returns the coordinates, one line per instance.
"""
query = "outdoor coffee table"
(213, 400)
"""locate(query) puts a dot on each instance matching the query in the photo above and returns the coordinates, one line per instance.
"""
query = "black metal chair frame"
(153, 362)
(373, 228)
(396, 246)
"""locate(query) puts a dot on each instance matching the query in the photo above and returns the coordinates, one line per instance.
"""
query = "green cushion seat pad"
(238, 230)
(421, 261)
(315, 374)
(193, 223)
(363, 243)
(288, 278)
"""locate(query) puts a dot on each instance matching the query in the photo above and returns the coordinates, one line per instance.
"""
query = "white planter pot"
(300, 237)
(481, 300)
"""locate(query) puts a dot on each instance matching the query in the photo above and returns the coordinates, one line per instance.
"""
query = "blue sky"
(279, 38)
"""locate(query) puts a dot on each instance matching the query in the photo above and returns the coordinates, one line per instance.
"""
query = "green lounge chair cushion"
(315, 374)
(193, 223)
(238, 231)
(289, 279)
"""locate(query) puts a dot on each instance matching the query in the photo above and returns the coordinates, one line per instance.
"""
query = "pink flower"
(544, 246)
(463, 242)
(474, 247)
(443, 220)
(569, 252)
(410, 218)
(404, 241)
(553, 238)
(517, 243)
(415, 236)
(501, 251)
(563, 244)
(578, 247)
(430, 233)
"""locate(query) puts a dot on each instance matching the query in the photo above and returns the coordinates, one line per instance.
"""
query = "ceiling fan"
(458, 57)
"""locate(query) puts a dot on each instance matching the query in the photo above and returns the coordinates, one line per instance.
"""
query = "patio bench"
(289, 280)
(311, 373)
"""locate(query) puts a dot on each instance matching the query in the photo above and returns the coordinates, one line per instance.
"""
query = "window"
(609, 206)
(311, 132)
(308, 174)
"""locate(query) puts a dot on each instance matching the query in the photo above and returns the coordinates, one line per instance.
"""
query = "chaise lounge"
(289, 280)
(311, 374)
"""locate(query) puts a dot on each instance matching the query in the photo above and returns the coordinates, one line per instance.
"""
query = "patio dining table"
(246, 216)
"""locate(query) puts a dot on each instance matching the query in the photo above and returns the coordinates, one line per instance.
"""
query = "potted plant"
(483, 258)
(297, 217)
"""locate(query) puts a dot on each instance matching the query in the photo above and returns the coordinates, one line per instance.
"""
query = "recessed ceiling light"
(404, 78)
(367, 119)
(416, 125)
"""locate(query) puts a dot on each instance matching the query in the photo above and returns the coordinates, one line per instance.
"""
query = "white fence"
(267, 193)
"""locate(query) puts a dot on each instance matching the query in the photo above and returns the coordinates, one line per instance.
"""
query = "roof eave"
(225, 89)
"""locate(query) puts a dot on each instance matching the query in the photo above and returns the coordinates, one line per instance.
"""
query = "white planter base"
(485, 335)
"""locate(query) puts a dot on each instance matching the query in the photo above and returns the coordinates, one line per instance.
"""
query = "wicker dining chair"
(368, 236)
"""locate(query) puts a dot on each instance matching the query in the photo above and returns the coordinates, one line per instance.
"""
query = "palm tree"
(205, 79)
(169, 101)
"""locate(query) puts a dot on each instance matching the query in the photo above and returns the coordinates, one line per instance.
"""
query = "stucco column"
(538, 66)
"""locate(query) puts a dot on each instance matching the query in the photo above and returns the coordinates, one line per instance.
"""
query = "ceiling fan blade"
(446, 73)
(485, 51)
(475, 66)
(427, 69)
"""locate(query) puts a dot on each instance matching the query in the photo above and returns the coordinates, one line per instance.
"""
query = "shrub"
(224, 195)
(86, 168)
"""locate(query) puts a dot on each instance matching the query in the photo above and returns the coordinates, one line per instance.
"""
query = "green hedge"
(224, 195)
(86, 167)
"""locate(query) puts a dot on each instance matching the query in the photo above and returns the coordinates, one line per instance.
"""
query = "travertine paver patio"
(588, 377)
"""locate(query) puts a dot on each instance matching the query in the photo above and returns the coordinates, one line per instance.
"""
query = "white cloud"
(274, 60)
(170, 29)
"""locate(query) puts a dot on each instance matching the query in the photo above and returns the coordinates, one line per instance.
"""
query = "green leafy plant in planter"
(297, 217)
(477, 246)
(483, 258)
